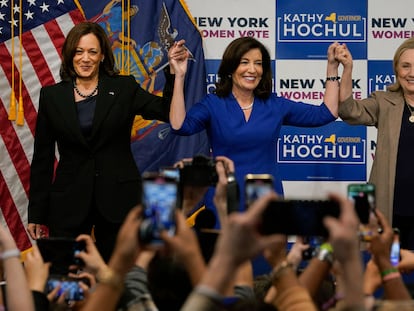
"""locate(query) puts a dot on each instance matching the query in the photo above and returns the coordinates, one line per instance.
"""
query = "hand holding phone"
(69, 287)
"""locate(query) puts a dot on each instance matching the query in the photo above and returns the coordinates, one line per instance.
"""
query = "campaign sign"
(305, 30)
(334, 152)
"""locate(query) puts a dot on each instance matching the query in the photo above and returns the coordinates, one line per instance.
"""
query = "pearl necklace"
(95, 90)
(247, 107)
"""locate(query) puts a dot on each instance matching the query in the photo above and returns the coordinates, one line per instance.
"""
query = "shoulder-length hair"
(231, 60)
(67, 72)
(406, 45)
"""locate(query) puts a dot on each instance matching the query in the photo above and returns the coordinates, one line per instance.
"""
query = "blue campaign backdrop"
(301, 22)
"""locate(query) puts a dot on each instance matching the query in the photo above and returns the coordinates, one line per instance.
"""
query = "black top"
(403, 191)
(86, 111)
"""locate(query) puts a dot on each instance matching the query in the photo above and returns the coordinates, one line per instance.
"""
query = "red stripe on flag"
(12, 217)
(77, 16)
(37, 59)
(16, 152)
(56, 33)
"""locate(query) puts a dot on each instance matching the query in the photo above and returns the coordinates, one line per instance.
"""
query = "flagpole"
(122, 36)
(129, 37)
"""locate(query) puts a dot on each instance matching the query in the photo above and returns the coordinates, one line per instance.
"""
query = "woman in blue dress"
(243, 118)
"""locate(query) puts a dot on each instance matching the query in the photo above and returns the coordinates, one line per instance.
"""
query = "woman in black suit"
(89, 115)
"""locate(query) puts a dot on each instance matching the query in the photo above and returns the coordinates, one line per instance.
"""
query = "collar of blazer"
(394, 98)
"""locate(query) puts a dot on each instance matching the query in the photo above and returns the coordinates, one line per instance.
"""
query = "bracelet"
(280, 269)
(388, 271)
(333, 78)
(326, 253)
(10, 253)
(110, 277)
(390, 276)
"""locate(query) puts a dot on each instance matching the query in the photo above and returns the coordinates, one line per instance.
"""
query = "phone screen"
(257, 185)
(298, 217)
(68, 287)
(395, 248)
(159, 199)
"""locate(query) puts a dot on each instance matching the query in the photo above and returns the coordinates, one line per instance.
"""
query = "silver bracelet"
(10, 253)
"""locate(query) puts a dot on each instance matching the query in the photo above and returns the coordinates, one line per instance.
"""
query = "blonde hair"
(406, 45)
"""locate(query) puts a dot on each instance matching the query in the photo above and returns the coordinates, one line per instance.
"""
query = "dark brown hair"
(67, 72)
(231, 60)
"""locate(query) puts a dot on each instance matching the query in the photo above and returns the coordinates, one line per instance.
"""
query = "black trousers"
(105, 232)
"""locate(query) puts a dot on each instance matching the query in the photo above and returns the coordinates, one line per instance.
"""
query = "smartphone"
(363, 196)
(395, 248)
(256, 185)
(60, 251)
(199, 172)
(298, 217)
(160, 202)
(68, 287)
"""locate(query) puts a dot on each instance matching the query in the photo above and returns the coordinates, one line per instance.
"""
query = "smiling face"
(87, 57)
(249, 72)
(405, 71)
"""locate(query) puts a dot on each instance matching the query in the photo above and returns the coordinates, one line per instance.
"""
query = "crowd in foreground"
(179, 275)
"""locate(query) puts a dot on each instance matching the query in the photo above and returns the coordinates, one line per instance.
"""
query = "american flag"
(45, 24)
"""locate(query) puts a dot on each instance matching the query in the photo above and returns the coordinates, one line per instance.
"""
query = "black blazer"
(101, 169)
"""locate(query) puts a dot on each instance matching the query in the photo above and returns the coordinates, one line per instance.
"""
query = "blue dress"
(250, 144)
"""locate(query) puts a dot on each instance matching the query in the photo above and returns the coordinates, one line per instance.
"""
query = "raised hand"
(178, 56)
(343, 55)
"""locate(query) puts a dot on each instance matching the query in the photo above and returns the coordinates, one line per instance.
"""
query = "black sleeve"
(41, 302)
(169, 85)
(151, 106)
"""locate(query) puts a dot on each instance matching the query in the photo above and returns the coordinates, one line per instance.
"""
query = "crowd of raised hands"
(178, 275)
